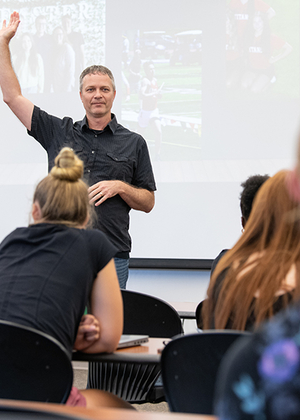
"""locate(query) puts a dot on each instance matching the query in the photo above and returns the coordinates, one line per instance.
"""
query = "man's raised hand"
(8, 30)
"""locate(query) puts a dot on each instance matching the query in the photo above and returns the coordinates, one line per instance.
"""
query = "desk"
(146, 352)
(99, 413)
(129, 373)
(186, 310)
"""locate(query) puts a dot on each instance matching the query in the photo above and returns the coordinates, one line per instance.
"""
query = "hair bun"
(67, 166)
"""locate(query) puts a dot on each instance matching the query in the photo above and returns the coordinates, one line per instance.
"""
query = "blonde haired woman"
(49, 270)
(260, 275)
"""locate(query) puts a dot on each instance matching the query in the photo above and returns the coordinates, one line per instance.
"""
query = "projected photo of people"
(161, 74)
(150, 94)
(75, 39)
(29, 65)
(63, 59)
(43, 42)
(261, 49)
(55, 42)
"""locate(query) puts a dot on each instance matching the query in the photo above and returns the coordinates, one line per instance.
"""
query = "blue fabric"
(122, 268)
(260, 377)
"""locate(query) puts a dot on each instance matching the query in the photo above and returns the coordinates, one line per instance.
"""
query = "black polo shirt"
(113, 153)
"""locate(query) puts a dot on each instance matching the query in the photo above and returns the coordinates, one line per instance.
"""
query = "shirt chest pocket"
(121, 167)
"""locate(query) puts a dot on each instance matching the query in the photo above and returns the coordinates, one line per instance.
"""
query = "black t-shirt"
(216, 260)
(279, 303)
(46, 276)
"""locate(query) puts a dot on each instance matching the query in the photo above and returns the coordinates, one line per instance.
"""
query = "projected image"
(161, 73)
(55, 42)
(262, 47)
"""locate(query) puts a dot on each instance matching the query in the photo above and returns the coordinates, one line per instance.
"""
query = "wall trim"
(170, 263)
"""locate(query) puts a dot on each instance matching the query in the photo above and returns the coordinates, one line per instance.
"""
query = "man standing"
(117, 163)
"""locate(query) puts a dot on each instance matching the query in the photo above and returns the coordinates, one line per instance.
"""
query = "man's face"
(58, 36)
(150, 71)
(26, 43)
(258, 24)
(67, 24)
(97, 95)
(41, 25)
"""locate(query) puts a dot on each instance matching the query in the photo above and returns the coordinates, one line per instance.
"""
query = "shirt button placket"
(94, 147)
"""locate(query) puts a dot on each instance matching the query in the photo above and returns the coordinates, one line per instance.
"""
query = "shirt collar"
(112, 125)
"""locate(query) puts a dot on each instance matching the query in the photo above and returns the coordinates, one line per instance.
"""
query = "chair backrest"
(33, 365)
(241, 393)
(145, 314)
(137, 382)
(198, 313)
(189, 367)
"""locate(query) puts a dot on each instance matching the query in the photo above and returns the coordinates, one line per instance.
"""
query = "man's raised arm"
(9, 83)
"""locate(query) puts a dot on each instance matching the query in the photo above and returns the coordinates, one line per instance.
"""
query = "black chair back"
(145, 314)
(189, 369)
(136, 382)
(198, 313)
(33, 365)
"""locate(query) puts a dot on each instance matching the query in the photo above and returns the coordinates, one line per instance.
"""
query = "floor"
(80, 381)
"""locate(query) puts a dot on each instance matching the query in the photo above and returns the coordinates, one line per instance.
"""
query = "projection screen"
(227, 72)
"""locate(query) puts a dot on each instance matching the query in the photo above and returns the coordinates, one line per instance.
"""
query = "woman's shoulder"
(95, 236)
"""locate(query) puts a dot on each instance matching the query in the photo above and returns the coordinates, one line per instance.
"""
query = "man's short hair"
(65, 17)
(40, 17)
(250, 188)
(96, 69)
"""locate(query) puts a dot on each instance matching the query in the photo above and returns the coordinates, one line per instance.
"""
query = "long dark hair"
(33, 56)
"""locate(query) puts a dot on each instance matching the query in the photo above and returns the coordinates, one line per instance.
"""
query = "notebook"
(130, 340)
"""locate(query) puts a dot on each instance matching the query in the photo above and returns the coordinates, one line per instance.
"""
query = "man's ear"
(36, 211)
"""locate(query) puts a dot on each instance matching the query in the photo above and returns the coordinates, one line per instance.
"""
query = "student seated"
(50, 269)
(259, 276)
(250, 188)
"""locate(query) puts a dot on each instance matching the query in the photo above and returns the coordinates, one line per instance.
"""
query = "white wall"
(171, 286)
